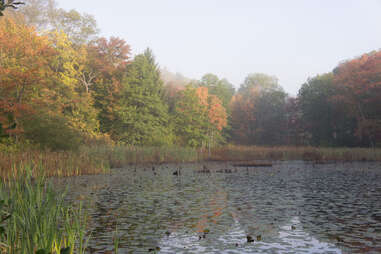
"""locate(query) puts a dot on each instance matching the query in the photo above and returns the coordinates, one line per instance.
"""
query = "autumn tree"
(24, 73)
(218, 120)
(221, 88)
(69, 66)
(258, 111)
(224, 90)
(190, 119)
(359, 82)
(322, 117)
(102, 77)
(199, 117)
(35, 90)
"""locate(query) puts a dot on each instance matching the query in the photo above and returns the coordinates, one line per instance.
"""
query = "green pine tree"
(142, 113)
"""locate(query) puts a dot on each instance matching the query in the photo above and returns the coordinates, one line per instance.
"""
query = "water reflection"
(293, 207)
(234, 241)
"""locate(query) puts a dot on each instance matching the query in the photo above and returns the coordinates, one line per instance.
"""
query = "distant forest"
(61, 85)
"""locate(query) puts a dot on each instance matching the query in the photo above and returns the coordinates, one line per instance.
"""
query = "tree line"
(61, 85)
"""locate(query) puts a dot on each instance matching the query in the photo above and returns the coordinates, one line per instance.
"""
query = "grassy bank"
(246, 153)
(35, 219)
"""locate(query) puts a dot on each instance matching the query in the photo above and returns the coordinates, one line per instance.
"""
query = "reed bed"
(35, 219)
(91, 159)
(249, 153)
(59, 164)
(99, 159)
(121, 156)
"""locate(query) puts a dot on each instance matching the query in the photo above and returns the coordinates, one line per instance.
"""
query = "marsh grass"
(99, 159)
(35, 219)
(121, 156)
(91, 159)
(116, 240)
(59, 164)
(248, 153)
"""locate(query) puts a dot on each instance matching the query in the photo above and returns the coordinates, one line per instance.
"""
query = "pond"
(218, 208)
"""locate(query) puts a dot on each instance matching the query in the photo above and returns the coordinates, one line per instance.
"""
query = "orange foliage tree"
(199, 117)
(24, 73)
(106, 67)
(359, 81)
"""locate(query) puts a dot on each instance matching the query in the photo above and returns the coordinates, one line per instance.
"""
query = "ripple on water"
(292, 206)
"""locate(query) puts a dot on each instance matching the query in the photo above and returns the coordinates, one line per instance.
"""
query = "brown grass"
(51, 163)
(90, 160)
(99, 159)
(121, 156)
(250, 153)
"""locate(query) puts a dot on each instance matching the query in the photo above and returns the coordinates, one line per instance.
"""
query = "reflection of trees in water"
(146, 208)
(342, 204)
(262, 200)
(329, 202)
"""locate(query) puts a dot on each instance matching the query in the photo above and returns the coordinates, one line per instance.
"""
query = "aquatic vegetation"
(51, 163)
(116, 240)
(99, 159)
(35, 219)
(123, 155)
(250, 153)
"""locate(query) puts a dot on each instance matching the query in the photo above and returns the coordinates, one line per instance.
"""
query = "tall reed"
(53, 163)
(120, 156)
(36, 219)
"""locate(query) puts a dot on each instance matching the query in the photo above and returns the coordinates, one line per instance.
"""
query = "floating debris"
(249, 239)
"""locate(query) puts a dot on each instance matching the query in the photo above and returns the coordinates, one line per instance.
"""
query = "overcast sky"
(291, 39)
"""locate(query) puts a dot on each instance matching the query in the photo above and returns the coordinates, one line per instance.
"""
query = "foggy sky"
(291, 39)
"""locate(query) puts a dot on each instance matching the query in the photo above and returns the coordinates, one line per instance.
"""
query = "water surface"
(292, 207)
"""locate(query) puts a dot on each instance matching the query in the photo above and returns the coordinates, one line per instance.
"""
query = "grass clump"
(35, 219)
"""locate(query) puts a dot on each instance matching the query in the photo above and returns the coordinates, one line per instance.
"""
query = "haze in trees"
(259, 111)
(46, 16)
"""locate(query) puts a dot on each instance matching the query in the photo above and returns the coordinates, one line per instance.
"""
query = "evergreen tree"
(142, 114)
